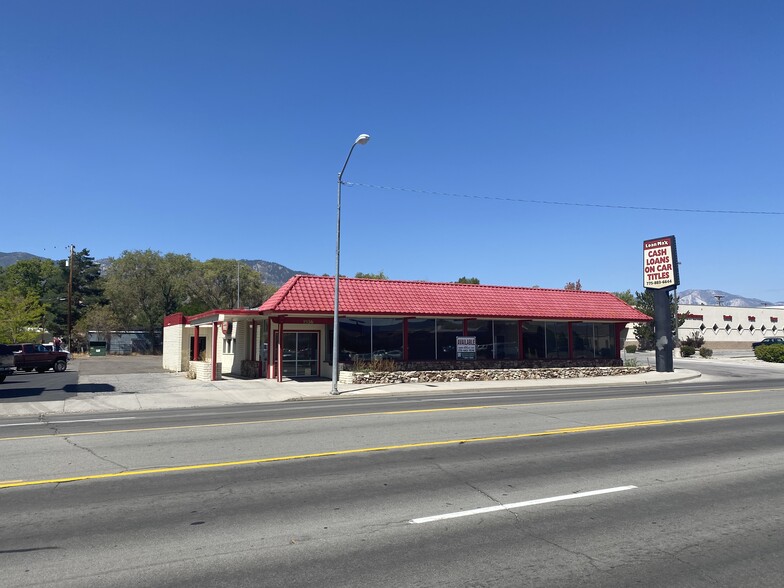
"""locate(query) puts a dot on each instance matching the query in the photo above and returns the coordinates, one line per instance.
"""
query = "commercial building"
(414, 324)
(730, 327)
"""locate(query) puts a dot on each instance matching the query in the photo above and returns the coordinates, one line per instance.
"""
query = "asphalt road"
(338, 492)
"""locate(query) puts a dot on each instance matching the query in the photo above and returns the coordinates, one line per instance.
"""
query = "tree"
(143, 287)
(378, 276)
(214, 285)
(87, 289)
(30, 275)
(465, 280)
(573, 285)
(20, 316)
(626, 296)
(41, 278)
(644, 331)
(99, 318)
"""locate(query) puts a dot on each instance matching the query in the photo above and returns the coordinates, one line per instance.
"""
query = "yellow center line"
(369, 414)
(226, 464)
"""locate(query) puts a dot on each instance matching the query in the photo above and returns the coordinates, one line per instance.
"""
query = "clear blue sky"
(217, 128)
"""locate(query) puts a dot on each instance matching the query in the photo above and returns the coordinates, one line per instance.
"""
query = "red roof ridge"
(398, 281)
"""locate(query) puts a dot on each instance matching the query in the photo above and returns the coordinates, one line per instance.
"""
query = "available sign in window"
(466, 347)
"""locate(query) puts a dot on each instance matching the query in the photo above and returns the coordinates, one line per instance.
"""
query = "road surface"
(676, 486)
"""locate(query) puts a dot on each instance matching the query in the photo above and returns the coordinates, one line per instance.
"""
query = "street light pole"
(361, 140)
(70, 295)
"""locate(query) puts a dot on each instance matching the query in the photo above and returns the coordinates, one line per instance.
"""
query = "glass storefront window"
(557, 340)
(533, 340)
(483, 331)
(582, 339)
(505, 339)
(448, 331)
(355, 335)
(604, 340)
(421, 339)
(593, 340)
(388, 339)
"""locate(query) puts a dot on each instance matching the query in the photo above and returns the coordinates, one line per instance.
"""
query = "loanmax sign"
(660, 263)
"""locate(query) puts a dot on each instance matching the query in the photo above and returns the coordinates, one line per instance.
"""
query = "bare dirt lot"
(119, 364)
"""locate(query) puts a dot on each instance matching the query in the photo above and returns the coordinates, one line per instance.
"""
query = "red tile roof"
(315, 294)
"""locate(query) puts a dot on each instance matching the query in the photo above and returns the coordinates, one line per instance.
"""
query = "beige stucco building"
(727, 327)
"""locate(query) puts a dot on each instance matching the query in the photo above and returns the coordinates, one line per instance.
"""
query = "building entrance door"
(300, 353)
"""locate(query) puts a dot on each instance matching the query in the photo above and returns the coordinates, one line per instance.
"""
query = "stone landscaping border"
(487, 375)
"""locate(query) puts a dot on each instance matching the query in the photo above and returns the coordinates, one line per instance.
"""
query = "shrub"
(771, 353)
(630, 362)
(375, 365)
(631, 348)
(705, 352)
(695, 340)
(687, 350)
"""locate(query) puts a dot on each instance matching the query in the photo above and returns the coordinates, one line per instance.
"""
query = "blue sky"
(218, 129)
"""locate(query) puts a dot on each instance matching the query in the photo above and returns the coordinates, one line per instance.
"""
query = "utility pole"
(70, 294)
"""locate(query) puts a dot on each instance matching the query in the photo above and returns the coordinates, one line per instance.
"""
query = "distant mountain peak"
(721, 298)
(271, 272)
(7, 259)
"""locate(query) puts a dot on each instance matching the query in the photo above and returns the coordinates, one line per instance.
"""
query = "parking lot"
(117, 364)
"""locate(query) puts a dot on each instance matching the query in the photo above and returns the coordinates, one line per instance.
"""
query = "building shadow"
(87, 388)
(21, 393)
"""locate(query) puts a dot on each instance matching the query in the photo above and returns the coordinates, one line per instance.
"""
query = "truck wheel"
(40, 370)
(59, 365)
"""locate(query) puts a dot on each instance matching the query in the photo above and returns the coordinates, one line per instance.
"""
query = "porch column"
(253, 340)
(215, 350)
(269, 347)
(195, 350)
(280, 351)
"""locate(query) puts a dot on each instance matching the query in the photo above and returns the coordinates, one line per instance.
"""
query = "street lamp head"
(362, 139)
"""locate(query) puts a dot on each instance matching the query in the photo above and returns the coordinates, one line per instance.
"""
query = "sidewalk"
(155, 391)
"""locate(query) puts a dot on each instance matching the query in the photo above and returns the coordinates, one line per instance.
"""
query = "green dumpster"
(97, 348)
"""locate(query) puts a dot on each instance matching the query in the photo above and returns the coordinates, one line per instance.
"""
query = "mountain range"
(721, 298)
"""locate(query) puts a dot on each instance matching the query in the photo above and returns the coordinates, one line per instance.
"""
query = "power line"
(557, 203)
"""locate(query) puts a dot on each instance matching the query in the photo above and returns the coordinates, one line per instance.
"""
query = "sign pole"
(660, 276)
(662, 330)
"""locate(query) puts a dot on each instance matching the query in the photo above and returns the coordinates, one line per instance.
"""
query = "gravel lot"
(117, 364)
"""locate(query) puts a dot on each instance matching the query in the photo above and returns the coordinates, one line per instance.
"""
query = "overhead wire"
(559, 203)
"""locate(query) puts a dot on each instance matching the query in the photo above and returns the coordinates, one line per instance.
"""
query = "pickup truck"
(7, 366)
(29, 357)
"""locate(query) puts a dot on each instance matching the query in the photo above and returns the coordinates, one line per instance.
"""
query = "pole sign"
(660, 263)
(466, 348)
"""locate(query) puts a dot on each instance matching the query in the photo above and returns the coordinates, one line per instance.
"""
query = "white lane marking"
(476, 511)
(96, 420)
(44, 423)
